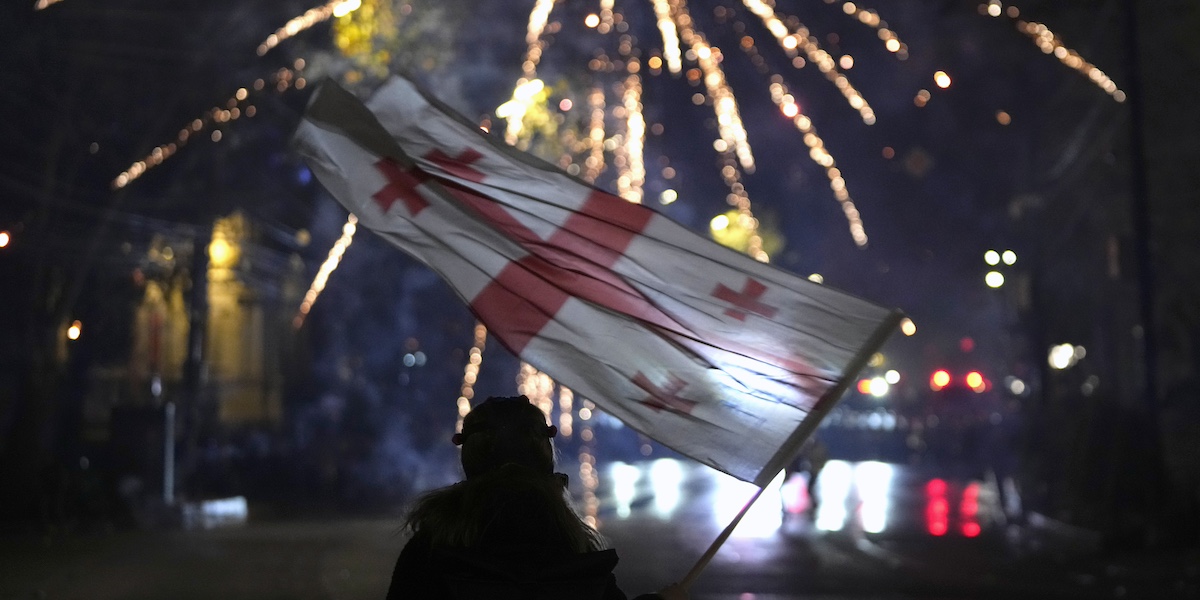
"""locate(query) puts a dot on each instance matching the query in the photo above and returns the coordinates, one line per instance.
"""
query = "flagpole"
(720, 541)
(822, 408)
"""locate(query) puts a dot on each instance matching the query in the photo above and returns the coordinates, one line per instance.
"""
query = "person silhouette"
(508, 530)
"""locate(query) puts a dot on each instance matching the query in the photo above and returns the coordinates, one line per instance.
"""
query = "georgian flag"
(725, 359)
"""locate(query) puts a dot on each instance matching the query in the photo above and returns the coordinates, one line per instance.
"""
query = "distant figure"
(810, 461)
(508, 531)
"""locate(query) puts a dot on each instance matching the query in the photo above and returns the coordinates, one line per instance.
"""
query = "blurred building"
(246, 325)
(243, 326)
(235, 384)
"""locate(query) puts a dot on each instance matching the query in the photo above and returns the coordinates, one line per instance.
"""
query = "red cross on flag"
(725, 359)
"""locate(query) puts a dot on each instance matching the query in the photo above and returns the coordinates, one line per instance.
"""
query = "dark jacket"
(425, 573)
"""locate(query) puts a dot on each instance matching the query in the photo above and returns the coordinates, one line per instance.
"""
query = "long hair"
(511, 495)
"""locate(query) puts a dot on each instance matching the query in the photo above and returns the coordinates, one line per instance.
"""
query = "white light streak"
(624, 481)
(629, 184)
(538, 17)
(670, 35)
(729, 119)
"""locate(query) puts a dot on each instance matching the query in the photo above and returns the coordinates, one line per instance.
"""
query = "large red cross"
(665, 397)
(576, 260)
(745, 300)
(402, 183)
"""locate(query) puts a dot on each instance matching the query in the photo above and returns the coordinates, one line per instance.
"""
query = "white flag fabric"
(724, 359)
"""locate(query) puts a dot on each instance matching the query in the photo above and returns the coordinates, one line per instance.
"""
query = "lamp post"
(168, 494)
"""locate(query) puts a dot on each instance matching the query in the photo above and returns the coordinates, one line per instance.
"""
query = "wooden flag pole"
(717, 543)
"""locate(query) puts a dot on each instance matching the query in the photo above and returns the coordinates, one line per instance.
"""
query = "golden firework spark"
(528, 86)
(471, 374)
(799, 37)
(312, 16)
(732, 143)
(729, 119)
(594, 163)
(820, 155)
(566, 408)
(327, 268)
(670, 36)
(633, 171)
(1048, 42)
(871, 19)
(237, 106)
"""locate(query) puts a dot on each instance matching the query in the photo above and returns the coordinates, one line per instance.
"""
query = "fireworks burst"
(678, 31)
(675, 26)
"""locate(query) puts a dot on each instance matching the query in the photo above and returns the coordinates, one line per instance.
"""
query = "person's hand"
(673, 592)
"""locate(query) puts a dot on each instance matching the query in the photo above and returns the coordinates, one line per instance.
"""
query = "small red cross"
(401, 185)
(666, 397)
(745, 300)
(460, 165)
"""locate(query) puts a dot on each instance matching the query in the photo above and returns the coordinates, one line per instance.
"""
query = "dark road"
(882, 532)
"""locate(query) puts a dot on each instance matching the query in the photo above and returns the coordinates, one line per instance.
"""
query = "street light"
(1064, 356)
(5, 238)
(995, 279)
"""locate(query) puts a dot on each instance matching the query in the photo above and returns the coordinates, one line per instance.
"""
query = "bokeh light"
(939, 380)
